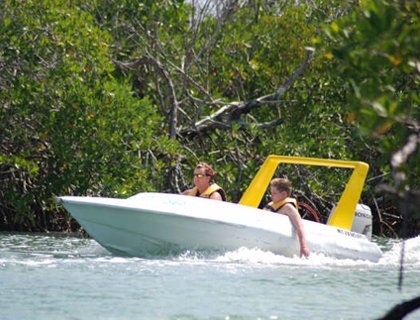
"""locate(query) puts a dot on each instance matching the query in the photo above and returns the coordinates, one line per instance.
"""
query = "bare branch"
(401, 156)
(224, 116)
(136, 63)
(270, 124)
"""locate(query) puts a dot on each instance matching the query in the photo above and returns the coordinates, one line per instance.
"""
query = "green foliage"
(68, 126)
(376, 52)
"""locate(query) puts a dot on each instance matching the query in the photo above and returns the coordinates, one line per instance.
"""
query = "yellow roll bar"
(343, 215)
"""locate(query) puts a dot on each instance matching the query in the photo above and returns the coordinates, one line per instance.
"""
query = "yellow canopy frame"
(343, 215)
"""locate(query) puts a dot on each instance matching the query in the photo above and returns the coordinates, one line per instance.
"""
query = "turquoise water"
(63, 277)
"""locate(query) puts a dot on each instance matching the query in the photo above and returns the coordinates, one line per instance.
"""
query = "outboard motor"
(362, 222)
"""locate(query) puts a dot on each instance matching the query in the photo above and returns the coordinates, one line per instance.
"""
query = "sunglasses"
(199, 175)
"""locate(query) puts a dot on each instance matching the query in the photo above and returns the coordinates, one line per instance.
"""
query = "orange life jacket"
(275, 207)
(208, 192)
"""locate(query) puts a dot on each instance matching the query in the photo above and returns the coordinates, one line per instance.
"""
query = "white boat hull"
(150, 224)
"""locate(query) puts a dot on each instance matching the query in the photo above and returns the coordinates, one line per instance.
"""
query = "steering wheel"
(307, 212)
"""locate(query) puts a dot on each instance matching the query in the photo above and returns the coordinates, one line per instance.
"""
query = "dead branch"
(401, 156)
(225, 115)
(136, 63)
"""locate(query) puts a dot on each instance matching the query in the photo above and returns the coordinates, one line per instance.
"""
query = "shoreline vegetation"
(107, 98)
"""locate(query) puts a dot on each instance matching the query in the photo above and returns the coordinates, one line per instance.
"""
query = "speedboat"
(152, 223)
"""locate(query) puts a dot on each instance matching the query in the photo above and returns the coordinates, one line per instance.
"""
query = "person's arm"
(296, 220)
(216, 196)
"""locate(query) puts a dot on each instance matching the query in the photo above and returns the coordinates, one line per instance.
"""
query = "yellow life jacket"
(275, 207)
(208, 192)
